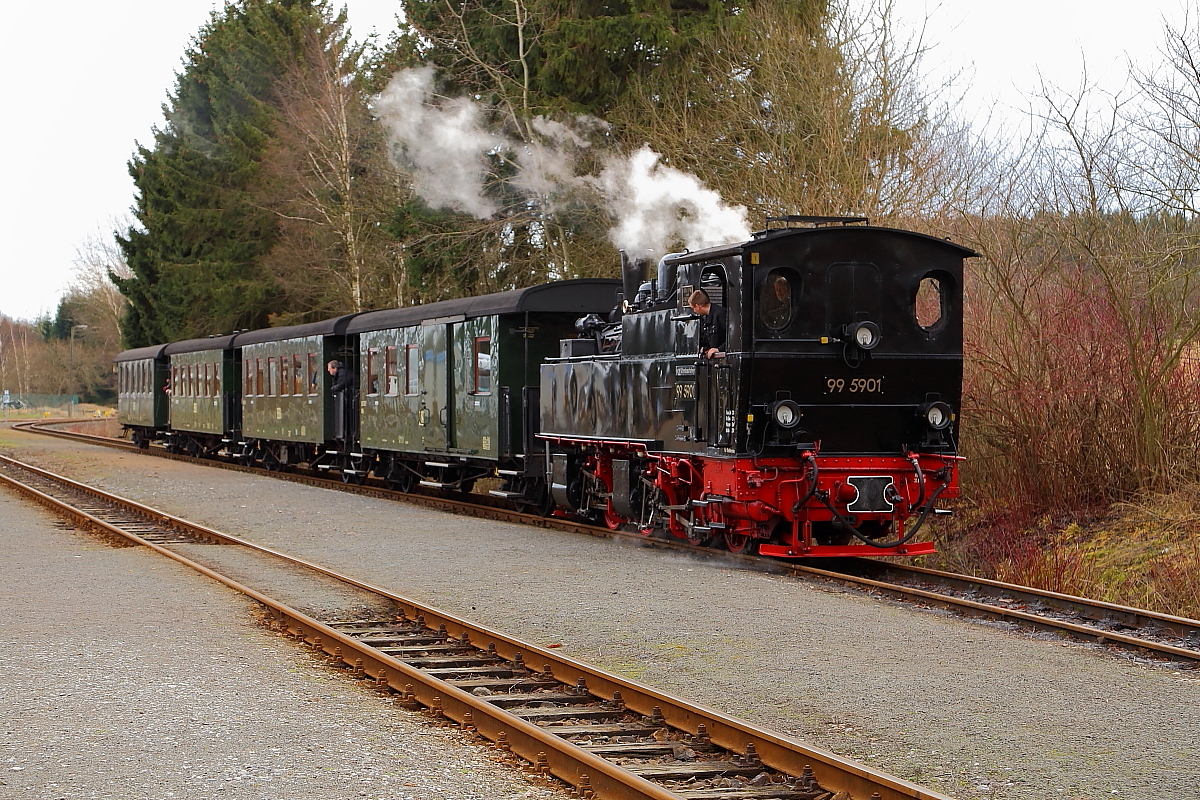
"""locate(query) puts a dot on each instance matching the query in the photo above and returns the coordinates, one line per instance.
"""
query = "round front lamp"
(938, 416)
(786, 414)
(865, 334)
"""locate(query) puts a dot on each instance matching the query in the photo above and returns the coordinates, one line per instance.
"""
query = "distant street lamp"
(71, 368)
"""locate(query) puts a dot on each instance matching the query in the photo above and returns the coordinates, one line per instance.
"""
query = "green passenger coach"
(141, 392)
(443, 387)
(447, 393)
(203, 391)
(288, 413)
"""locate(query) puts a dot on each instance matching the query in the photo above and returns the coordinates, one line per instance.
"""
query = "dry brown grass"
(1143, 553)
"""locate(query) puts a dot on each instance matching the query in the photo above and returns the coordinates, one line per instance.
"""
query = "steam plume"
(656, 205)
(445, 144)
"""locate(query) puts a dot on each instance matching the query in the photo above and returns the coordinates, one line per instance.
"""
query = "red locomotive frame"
(773, 501)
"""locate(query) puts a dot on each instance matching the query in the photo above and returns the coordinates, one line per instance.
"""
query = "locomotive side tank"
(829, 418)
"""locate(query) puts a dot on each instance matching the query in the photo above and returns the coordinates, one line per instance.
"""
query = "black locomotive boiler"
(824, 426)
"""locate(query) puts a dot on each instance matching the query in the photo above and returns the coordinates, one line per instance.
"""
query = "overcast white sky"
(84, 80)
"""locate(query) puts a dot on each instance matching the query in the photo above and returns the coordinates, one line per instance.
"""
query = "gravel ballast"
(113, 687)
(971, 709)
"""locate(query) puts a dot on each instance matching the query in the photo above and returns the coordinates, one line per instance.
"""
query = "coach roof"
(198, 345)
(137, 354)
(579, 296)
(326, 327)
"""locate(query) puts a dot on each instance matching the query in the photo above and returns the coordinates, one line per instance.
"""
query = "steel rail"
(1084, 607)
(587, 772)
(1097, 610)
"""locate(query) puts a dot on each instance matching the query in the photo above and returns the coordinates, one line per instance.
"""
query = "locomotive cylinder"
(753, 510)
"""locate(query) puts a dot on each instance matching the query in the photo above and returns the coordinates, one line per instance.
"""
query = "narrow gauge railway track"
(1143, 632)
(604, 735)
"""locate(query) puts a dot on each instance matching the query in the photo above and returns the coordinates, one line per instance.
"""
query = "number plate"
(685, 391)
(854, 386)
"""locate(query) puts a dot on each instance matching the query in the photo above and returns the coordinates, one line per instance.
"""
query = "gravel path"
(117, 690)
(971, 709)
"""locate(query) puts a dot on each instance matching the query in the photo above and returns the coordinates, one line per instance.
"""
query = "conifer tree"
(196, 249)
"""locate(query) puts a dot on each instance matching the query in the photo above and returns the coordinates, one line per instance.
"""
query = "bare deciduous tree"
(328, 179)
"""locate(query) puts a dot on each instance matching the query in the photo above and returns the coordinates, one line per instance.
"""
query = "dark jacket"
(344, 380)
(714, 327)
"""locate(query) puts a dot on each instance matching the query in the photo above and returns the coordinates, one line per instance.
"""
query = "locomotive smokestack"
(634, 272)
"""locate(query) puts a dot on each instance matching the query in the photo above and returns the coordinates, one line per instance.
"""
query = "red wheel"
(612, 519)
(739, 542)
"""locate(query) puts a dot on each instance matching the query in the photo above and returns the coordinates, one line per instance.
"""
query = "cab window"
(775, 300)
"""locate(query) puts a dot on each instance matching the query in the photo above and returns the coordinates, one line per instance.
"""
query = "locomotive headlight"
(865, 334)
(786, 414)
(938, 415)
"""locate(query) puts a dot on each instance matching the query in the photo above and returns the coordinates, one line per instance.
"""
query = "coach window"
(775, 300)
(314, 374)
(285, 375)
(207, 381)
(298, 375)
(373, 371)
(929, 302)
(216, 381)
(412, 363)
(259, 383)
(391, 374)
(483, 365)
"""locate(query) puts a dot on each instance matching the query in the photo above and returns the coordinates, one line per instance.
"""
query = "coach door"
(433, 410)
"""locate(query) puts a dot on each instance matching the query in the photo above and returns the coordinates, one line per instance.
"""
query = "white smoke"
(445, 144)
(547, 163)
(657, 206)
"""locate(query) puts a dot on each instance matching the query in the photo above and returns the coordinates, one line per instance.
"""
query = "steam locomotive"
(824, 425)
